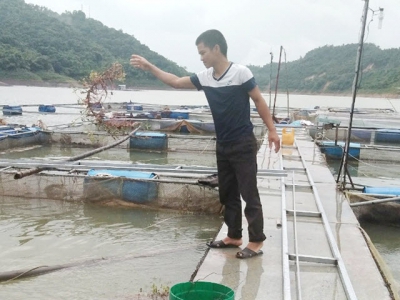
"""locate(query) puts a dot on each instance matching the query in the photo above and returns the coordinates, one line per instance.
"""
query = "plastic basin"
(201, 290)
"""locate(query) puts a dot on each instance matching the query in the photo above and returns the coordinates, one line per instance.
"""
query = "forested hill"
(39, 45)
(331, 69)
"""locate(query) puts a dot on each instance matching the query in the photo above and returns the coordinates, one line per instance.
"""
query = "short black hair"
(213, 37)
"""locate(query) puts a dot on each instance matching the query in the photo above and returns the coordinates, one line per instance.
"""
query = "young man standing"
(228, 87)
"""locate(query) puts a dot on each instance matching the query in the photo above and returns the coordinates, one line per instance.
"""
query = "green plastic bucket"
(200, 290)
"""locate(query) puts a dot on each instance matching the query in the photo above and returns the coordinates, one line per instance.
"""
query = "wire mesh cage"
(183, 193)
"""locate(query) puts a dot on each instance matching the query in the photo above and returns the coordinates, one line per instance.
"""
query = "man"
(228, 87)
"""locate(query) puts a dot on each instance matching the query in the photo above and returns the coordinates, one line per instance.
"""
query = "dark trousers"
(237, 176)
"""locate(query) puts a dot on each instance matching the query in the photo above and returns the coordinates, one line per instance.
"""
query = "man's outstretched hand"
(139, 62)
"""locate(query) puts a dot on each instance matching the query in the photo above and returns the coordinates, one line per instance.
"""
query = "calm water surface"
(139, 247)
(387, 241)
(114, 154)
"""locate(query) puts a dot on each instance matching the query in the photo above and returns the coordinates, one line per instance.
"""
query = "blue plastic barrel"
(47, 108)
(179, 114)
(12, 110)
(96, 106)
(384, 190)
(336, 151)
(149, 141)
(121, 184)
(387, 135)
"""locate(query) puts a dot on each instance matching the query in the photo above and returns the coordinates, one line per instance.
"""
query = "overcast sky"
(252, 28)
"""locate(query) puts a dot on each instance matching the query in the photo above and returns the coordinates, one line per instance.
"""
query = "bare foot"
(230, 241)
(255, 246)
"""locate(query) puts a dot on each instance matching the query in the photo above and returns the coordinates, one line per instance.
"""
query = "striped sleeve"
(196, 82)
(248, 79)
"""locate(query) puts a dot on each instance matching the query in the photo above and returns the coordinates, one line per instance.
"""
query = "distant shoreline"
(12, 82)
(388, 96)
(16, 82)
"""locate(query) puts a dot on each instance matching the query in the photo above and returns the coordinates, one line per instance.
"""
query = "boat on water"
(43, 108)
(11, 110)
(376, 204)
(13, 136)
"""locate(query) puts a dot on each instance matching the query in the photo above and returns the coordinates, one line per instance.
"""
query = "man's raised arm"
(172, 80)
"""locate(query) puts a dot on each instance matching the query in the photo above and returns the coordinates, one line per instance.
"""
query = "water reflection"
(352, 167)
(367, 168)
(104, 216)
(174, 158)
(251, 285)
(160, 158)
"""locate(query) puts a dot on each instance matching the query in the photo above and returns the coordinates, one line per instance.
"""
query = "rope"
(22, 274)
(208, 143)
(111, 259)
(383, 268)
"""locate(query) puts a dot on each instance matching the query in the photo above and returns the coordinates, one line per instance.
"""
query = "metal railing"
(335, 260)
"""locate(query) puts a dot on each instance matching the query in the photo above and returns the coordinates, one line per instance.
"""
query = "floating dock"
(315, 247)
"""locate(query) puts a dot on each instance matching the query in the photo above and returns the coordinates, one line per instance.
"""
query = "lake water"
(140, 248)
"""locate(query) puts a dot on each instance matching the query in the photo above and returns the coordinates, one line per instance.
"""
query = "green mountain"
(331, 69)
(39, 45)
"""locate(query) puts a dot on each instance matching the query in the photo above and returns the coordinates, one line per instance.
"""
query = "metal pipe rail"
(63, 165)
(335, 260)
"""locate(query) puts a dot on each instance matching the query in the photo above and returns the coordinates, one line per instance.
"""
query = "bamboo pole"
(32, 171)
(345, 157)
(160, 169)
(371, 202)
(270, 80)
(276, 84)
(12, 275)
(18, 274)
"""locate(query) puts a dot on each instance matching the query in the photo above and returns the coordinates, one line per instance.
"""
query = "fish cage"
(167, 189)
(143, 140)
